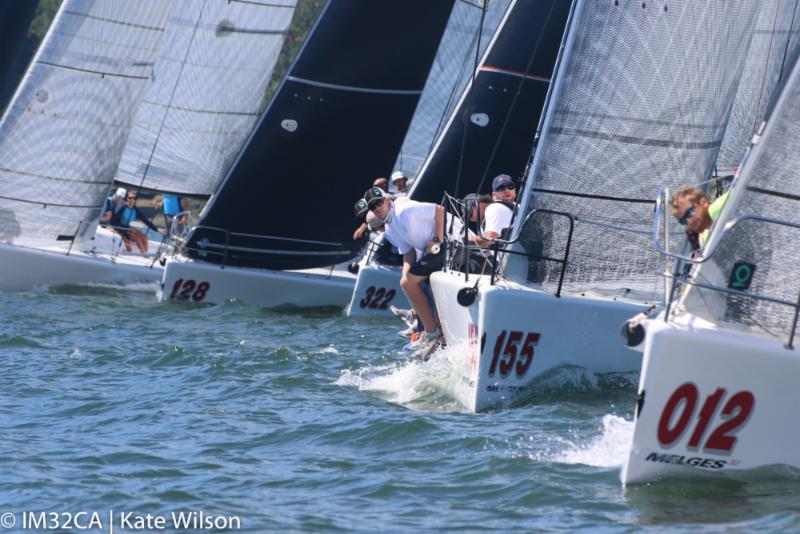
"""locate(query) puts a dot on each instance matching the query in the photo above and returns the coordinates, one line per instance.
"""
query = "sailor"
(173, 206)
(382, 183)
(121, 223)
(691, 207)
(498, 214)
(417, 230)
(400, 182)
(115, 201)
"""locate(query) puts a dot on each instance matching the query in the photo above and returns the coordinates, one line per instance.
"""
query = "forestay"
(757, 257)
(207, 88)
(642, 98)
(772, 51)
(336, 122)
(62, 136)
(450, 73)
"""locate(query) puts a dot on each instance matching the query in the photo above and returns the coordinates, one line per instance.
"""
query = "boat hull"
(746, 385)
(377, 288)
(515, 334)
(194, 281)
(23, 268)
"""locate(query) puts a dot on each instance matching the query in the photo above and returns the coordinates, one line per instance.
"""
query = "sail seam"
(53, 178)
(695, 145)
(99, 72)
(261, 4)
(113, 21)
(598, 197)
(353, 88)
(780, 194)
(45, 204)
(204, 111)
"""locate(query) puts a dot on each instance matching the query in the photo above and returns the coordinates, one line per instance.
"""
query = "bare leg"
(412, 287)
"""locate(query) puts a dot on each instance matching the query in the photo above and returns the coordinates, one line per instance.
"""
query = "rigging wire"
(514, 100)
(469, 100)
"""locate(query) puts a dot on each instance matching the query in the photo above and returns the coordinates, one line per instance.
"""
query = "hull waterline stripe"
(515, 73)
(354, 89)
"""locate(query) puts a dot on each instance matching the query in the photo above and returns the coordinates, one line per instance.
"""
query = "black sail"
(501, 108)
(336, 122)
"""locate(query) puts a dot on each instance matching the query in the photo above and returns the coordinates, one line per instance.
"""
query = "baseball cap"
(121, 192)
(374, 193)
(398, 175)
(501, 179)
(360, 208)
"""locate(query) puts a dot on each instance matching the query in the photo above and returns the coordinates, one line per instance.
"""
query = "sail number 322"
(189, 290)
(681, 406)
(377, 298)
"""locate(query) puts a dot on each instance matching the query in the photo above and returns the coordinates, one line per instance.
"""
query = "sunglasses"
(131, 198)
(686, 216)
(510, 187)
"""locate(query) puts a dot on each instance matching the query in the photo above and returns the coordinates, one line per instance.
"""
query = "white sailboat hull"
(377, 288)
(746, 384)
(23, 268)
(514, 334)
(193, 281)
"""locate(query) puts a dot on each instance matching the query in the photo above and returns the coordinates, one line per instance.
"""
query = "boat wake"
(419, 385)
(608, 449)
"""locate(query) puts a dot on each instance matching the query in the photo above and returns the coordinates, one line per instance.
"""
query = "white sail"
(207, 89)
(62, 135)
(753, 246)
(449, 75)
(774, 46)
(641, 99)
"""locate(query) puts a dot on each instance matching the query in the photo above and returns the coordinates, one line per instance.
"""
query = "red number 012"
(737, 410)
(509, 358)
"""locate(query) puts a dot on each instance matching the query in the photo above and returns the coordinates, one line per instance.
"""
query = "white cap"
(121, 192)
(397, 175)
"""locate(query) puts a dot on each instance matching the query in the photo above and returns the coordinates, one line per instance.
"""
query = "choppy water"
(309, 421)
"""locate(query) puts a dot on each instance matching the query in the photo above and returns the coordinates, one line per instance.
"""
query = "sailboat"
(197, 96)
(62, 135)
(717, 389)
(641, 96)
(490, 131)
(277, 227)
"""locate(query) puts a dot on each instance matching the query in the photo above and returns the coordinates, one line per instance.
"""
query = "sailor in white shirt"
(417, 230)
(498, 214)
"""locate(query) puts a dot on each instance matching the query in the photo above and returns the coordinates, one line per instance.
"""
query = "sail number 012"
(189, 289)
(682, 404)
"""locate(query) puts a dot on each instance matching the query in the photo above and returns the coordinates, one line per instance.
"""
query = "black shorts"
(428, 264)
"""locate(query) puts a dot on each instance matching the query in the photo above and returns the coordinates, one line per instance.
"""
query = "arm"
(147, 222)
(438, 223)
(359, 231)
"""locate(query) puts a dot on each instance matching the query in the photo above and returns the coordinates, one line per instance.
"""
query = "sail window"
(290, 125)
(479, 119)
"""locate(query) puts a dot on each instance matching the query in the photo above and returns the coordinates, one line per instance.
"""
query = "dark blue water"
(309, 421)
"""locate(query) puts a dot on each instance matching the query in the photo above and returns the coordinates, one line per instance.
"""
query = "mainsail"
(336, 123)
(774, 46)
(471, 26)
(641, 99)
(63, 133)
(500, 109)
(208, 84)
(753, 246)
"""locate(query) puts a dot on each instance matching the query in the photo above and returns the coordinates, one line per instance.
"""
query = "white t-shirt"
(413, 226)
(496, 218)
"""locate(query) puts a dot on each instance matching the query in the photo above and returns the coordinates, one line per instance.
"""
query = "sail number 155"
(511, 353)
